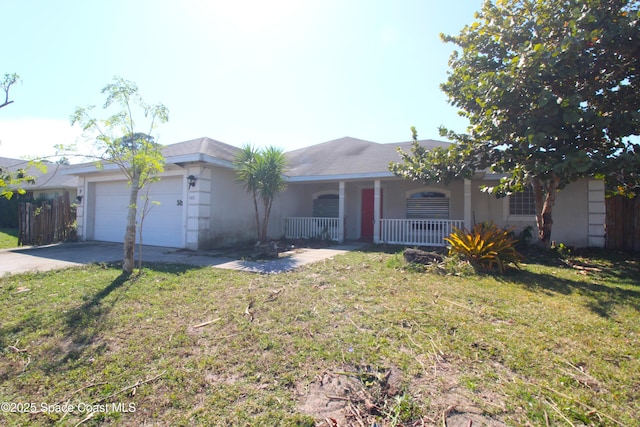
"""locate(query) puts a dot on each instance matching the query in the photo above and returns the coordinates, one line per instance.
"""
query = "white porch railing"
(313, 228)
(419, 232)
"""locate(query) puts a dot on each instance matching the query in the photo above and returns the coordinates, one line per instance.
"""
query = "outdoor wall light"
(191, 180)
(78, 200)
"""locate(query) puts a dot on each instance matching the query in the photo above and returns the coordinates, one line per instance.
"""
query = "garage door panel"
(163, 222)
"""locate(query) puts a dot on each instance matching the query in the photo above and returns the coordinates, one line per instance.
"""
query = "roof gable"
(205, 146)
(346, 156)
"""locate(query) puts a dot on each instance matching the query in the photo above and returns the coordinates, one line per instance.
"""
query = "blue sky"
(288, 73)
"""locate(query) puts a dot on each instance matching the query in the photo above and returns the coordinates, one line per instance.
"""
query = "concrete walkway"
(62, 255)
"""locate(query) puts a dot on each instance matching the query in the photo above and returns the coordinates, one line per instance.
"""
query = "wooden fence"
(46, 222)
(623, 223)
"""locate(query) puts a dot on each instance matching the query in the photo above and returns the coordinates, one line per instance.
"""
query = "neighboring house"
(340, 190)
(49, 184)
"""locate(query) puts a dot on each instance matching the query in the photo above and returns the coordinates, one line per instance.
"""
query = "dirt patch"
(451, 402)
(357, 396)
(352, 395)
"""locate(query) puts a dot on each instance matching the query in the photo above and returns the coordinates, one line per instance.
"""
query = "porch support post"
(376, 211)
(341, 211)
(467, 204)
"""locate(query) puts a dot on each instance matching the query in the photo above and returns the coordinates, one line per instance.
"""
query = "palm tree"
(270, 167)
(261, 173)
(245, 165)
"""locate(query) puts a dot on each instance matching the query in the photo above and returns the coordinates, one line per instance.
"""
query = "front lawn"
(8, 238)
(354, 339)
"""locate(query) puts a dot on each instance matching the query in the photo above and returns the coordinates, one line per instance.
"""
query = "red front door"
(367, 214)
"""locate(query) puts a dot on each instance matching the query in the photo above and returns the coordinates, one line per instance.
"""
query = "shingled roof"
(341, 158)
(206, 146)
(348, 156)
(53, 177)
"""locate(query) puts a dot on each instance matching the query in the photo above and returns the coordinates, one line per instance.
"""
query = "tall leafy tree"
(135, 153)
(261, 173)
(551, 91)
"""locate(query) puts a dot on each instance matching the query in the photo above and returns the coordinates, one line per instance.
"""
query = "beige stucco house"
(339, 190)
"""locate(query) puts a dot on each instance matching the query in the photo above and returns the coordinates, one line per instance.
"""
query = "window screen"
(326, 206)
(428, 205)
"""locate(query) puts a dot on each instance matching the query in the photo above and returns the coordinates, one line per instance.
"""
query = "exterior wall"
(571, 215)
(578, 214)
(80, 210)
(198, 204)
(294, 201)
(52, 193)
(232, 214)
(352, 208)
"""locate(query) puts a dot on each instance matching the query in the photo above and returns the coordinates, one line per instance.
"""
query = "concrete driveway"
(62, 255)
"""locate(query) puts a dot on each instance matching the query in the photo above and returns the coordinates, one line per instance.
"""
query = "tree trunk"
(265, 222)
(255, 206)
(545, 197)
(128, 262)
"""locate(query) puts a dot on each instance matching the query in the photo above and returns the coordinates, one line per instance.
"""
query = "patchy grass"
(557, 342)
(8, 238)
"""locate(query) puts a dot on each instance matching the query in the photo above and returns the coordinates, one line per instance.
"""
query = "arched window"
(326, 206)
(428, 205)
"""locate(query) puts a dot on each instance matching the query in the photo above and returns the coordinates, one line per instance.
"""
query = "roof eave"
(340, 177)
(198, 158)
(172, 160)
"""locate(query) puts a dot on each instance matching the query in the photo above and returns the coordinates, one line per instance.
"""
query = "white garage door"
(163, 224)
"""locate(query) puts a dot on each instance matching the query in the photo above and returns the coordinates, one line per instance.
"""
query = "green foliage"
(116, 137)
(453, 265)
(261, 173)
(523, 238)
(622, 178)
(563, 250)
(412, 167)
(487, 247)
(402, 410)
(551, 92)
(11, 182)
(5, 84)
(135, 153)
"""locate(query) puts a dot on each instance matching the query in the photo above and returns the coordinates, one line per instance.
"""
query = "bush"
(487, 247)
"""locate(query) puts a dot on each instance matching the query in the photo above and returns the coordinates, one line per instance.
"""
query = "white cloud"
(35, 137)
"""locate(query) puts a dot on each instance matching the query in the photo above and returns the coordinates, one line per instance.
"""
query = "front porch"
(412, 232)
(380, 211)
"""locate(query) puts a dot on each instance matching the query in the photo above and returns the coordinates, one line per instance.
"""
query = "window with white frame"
(428, 205)
(522, 203)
